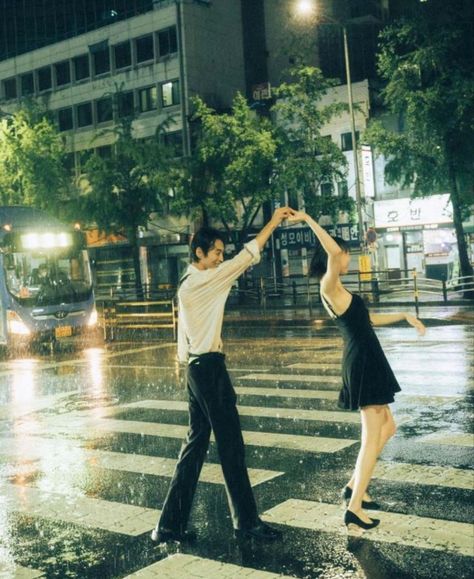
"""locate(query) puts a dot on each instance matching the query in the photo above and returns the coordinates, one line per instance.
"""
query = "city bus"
(46, 292)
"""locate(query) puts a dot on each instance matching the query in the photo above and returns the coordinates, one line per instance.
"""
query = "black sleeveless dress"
(366, 374)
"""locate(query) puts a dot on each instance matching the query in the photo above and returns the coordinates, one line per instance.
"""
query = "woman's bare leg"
(372, 418)
(388, 430)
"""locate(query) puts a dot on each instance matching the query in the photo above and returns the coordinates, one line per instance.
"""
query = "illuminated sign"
(415, 213)
(46, 240)
(298, 237)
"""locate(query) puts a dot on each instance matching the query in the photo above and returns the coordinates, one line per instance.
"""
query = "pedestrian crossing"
(12, 571)
(33, 448)
(408, 530)
(199, 568)
(55, 436)
(87, 427)
(85, 511)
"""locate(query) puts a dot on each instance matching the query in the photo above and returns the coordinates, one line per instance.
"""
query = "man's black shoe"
(261, 531)
(165, 535)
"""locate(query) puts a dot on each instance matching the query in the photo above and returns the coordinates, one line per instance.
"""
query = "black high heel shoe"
(371, 505)
(356, 526)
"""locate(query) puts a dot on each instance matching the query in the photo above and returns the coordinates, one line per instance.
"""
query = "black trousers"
(212, 405)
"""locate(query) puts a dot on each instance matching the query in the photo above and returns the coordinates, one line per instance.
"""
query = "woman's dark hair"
(205, 238)
(319, 263)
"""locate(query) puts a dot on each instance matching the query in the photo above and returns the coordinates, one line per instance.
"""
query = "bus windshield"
(48, 278)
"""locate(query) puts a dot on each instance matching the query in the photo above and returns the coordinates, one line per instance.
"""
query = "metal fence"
(384, 285)
(127, 306)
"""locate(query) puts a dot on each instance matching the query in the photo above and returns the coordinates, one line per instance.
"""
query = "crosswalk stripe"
(293, 378)
(454, 438)
(85, 511)
(12, 571)
(190, 566)
(151, 367)
(33, 448)
(89, 427)
(407, 380)
(425, 475)
(18, 409)
(257, 411)
(311, 394)
(398, 364)
(288, 393)
(408, 530)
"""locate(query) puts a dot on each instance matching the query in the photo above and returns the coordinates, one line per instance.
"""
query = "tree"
(32, 161)
(227, 177)
(306, 158)
(428, 63)
(126, 187)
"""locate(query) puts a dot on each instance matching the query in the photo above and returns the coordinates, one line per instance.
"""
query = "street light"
(307, 8)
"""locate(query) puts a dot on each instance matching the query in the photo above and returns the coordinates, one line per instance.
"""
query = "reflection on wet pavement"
(89, 439)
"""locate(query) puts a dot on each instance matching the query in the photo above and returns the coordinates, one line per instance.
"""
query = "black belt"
(196, 357)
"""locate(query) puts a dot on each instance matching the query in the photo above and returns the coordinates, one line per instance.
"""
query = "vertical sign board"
(368, 171)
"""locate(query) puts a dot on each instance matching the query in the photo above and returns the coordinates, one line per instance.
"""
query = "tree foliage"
(227, 176)
(124, 188)
(428, 64)
(32, 161)
(306, 157)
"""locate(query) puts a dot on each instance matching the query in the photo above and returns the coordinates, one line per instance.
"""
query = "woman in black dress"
(368, 381)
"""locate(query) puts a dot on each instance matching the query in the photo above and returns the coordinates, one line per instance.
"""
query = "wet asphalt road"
(89, 439)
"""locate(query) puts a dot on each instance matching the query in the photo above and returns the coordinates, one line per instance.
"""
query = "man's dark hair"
(319, 263)
(205, 238)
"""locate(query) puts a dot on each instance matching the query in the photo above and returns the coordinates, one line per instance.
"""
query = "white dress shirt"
(201, 301)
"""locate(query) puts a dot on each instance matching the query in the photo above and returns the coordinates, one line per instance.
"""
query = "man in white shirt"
(212, 401)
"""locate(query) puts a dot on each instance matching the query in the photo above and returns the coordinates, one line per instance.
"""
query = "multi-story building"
(148, 60)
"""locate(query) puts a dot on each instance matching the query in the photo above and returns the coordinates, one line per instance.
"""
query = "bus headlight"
(16, 325)
(92, 321)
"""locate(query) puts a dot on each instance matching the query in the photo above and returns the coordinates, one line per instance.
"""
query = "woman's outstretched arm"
(387, 319)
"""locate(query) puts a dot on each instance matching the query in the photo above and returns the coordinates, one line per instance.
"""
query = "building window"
(104, 110)
(346, 141)
(122, 55)
(327, 189)
(9, 88)
(83, 156)
(27, 84)
(65, 120)
(125, 104)
(148, 99)
(169, 93)
(69, 163)
(104, 152)
(342, 189)
(174, 141)
(62, 72)
(101, 60)
(167, 41)
(81, 67)
(45, 80)
(144, 49)
(84, 114)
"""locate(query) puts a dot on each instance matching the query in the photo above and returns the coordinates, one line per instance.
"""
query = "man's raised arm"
(279, 215)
